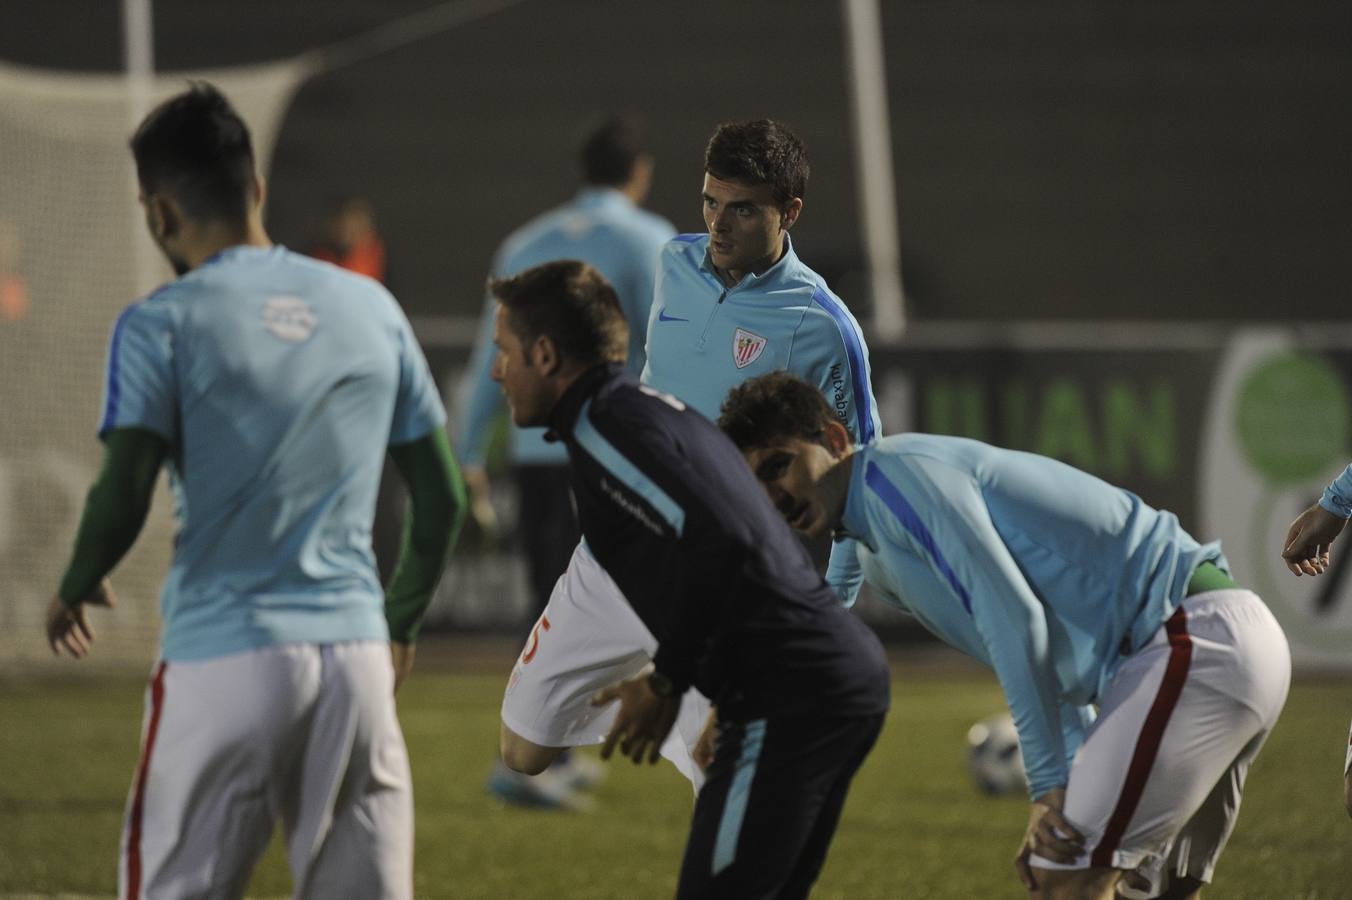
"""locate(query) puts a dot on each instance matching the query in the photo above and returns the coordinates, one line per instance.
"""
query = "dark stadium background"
(1063, 159)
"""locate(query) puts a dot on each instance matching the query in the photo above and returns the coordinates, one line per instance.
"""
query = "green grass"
(913, 827)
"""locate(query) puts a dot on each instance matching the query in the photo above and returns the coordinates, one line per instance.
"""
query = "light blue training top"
(1337, 497)
(278, 381)
(600, 226)
(705, 338)
(1039, 570)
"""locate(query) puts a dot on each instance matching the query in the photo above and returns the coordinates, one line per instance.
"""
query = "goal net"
(73, 253)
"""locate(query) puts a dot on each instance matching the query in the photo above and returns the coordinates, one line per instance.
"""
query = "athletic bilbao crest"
(746, 347)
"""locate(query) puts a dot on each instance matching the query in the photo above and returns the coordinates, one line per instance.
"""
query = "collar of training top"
(785, 267)
(565, 412)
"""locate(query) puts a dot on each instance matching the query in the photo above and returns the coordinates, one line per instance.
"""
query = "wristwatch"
(662, 685)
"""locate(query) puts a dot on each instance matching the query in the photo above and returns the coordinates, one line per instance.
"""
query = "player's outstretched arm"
(114, 513)
(436, 512)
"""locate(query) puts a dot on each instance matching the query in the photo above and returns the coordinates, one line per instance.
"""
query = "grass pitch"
(914, 826)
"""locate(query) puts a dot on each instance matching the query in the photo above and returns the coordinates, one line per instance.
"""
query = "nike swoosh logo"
(663, 317)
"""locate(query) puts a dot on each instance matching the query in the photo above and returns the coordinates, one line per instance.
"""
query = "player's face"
(746, 226)
(521, 381)
(789, 471)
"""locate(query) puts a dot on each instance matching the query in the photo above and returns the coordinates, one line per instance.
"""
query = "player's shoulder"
(633, 411)
(927, 457)
(826, 317)
(651, 226)
(157, 308)
(544, 226)
(637, 228)
(687, 247)
(331, 280)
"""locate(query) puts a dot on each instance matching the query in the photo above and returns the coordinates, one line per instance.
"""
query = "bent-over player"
(270, 385)
(670, 511)
(1075, 592)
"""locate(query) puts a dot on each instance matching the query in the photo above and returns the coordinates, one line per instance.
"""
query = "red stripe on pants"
(1148, 743)
(138, 799)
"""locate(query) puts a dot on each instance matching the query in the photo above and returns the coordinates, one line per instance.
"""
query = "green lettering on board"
(1064, 430)
(1145, 428)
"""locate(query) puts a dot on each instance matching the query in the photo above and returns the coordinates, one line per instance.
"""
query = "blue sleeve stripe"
(910, 520)
(604, 452)
(739, 794)
(854, 350)
(110, 408)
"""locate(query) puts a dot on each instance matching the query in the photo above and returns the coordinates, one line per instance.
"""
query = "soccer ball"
(993, 755)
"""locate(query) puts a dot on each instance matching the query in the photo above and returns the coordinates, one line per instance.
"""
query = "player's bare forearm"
(436, 512)
(115, 510)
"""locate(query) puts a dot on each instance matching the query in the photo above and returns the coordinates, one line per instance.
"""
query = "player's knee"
(520, 755)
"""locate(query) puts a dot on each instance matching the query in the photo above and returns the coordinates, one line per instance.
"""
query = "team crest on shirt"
(747, 346)
(289, 318)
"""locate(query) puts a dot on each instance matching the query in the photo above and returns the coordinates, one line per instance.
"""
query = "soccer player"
(737, 608)
(731, 303)
(1075, 592)
(1306, 552)
(270, 386)
(604, 225)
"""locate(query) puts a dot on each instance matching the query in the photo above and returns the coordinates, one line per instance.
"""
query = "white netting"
(73, 244)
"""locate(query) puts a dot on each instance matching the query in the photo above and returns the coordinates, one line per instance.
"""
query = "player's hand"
(643, 721)
(704, 748)
(67, 627)
(1306, 548)
(402, 657)
(1048, 835)
(481, 500)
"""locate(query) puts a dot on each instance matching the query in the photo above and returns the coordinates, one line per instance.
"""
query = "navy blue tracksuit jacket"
(670, 509)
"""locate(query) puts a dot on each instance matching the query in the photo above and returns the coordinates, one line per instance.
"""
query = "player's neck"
(213, 237)
(731, 277)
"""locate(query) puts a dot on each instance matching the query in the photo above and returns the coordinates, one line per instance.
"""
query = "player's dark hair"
(759, 152)
(571, 303)
(195, 148)
(610, 150)
(772, 408)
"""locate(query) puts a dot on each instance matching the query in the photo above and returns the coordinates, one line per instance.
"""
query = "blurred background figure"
(13, 288)
(605, 226)
(348, 238)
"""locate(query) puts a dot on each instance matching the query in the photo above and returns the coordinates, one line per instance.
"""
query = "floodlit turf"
(913, 828)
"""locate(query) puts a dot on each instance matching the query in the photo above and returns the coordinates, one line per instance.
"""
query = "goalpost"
(68, 195)
(73, 245)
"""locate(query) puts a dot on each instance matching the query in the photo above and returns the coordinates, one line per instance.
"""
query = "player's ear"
(544, 355)
(837, 439)
(162, 216)
(789, 212)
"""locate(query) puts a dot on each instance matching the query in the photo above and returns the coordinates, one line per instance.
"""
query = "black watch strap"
(662, 685)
